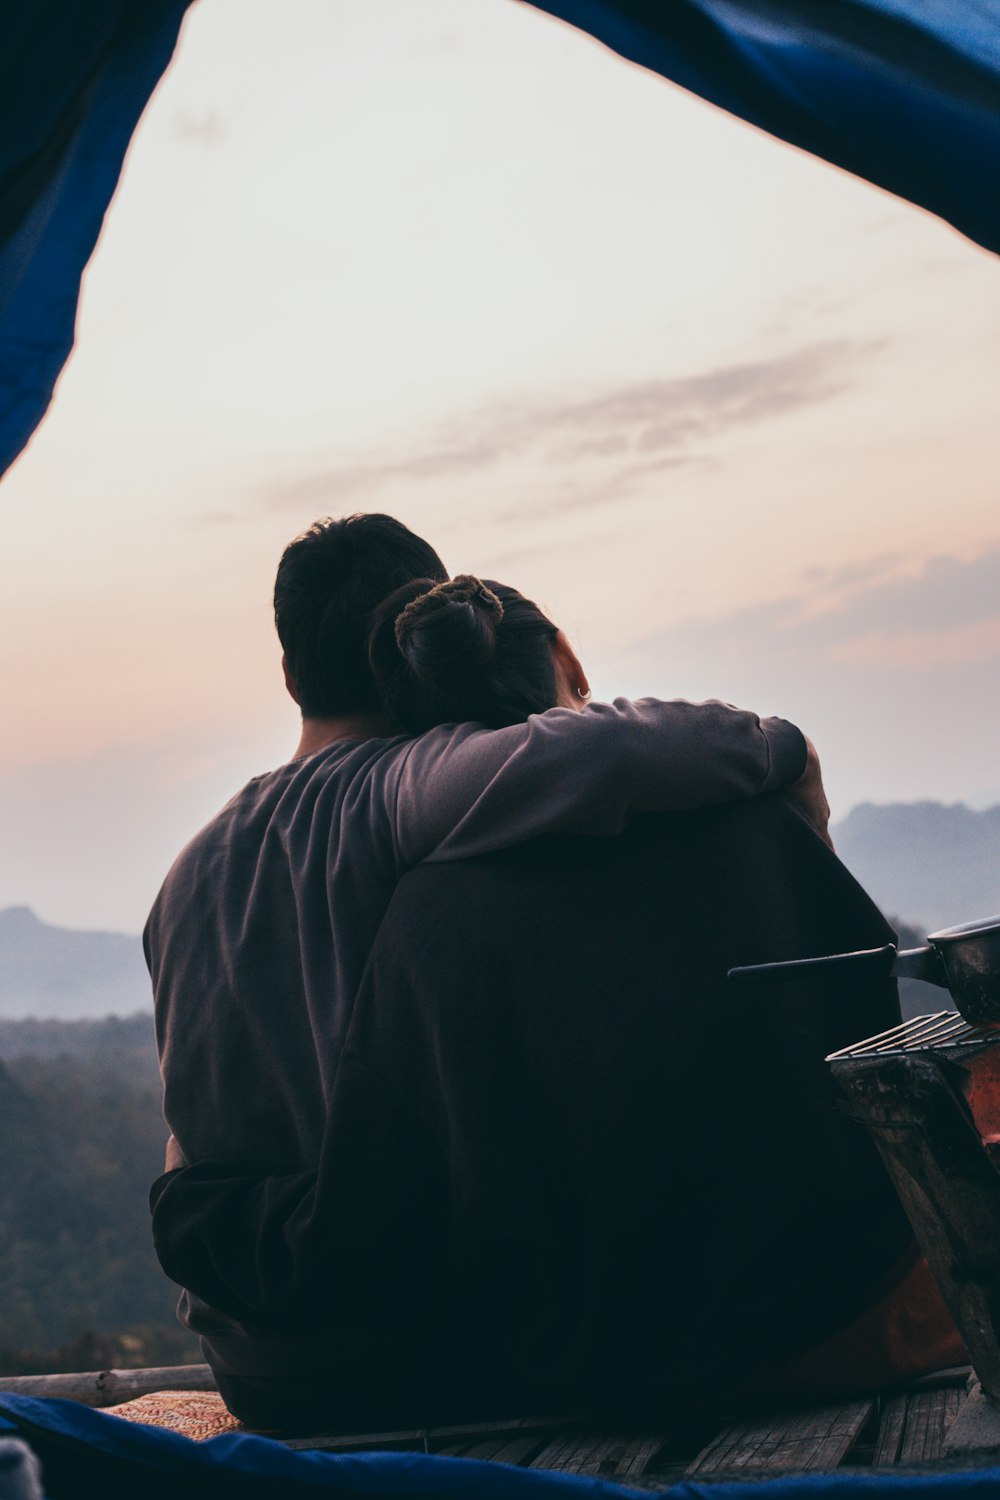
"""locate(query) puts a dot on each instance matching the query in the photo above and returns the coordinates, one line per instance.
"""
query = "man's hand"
(175, 1156)
(809, 795)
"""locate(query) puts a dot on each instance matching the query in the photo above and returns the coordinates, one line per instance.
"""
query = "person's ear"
(293, 691)
(571, 679)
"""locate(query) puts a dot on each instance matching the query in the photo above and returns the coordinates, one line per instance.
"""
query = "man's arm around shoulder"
(463, 790)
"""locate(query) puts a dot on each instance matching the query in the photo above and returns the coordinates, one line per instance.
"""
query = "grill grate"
(945, 1028)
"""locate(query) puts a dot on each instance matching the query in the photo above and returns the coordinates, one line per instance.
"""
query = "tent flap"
(62, 146)
(905, 93)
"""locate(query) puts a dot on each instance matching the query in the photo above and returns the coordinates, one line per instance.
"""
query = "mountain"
(55, 972)
(934, 865)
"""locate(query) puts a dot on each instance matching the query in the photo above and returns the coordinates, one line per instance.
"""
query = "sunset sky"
(731, 415)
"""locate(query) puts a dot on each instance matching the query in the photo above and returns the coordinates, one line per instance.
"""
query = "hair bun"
(465, 588)
(465, 651)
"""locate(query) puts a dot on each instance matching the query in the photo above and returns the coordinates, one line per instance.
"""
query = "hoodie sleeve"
(463, 790)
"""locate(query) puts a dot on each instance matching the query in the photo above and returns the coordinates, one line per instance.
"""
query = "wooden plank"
(929, 1414)
(519, 1450)
(818, 1439)
(566, 1452)
(600, 1457)
(617, 1455)
(603, 1457)
(892, 1422)
(638, 1454)
(485, 1450)
(454, 1439)
(408, 1440)
(497, 1450)
(110, 1387)
(579, 1452)
(822, 1443)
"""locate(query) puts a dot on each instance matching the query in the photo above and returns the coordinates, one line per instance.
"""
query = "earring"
(582, 694)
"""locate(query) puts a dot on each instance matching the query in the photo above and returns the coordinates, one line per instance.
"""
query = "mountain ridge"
(931, 864)
(63, 973)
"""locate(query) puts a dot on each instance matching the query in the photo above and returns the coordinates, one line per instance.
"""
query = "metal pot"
(964, 960)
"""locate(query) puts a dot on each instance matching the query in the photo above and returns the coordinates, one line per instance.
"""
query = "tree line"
(83, 1136)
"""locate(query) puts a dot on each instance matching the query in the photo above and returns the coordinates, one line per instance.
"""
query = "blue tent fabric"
(85, 1452)
(905, 93)
(73, 82)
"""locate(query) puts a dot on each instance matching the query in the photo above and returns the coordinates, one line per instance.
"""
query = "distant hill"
(54, 972)
(935, 865)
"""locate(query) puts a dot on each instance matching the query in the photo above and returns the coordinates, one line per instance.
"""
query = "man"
(259, 939)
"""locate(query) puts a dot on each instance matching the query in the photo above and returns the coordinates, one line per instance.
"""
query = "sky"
(729, 414)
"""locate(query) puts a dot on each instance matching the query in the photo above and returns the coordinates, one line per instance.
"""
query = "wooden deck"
(904, 1430)
(901, 1430)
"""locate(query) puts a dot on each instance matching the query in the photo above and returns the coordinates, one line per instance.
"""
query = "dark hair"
(470, 649)
(328, 582)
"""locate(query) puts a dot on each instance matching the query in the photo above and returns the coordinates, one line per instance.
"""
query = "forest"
(82, 1139)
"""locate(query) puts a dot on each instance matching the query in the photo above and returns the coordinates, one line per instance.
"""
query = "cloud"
(866, 616)
(894, 680)
(354, 480)
(852, 573)
(202, 128)
(979, 641)
(573, 496)
(632, 430)
(948, 592)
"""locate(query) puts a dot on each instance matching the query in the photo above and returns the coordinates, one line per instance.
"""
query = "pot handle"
(877, 960)
(922, 963)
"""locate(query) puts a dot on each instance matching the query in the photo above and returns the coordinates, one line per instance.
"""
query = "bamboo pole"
(109, 1387)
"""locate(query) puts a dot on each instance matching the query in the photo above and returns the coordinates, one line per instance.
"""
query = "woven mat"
(194, 1414)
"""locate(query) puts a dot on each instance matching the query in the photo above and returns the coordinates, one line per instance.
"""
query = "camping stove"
(929, 1092)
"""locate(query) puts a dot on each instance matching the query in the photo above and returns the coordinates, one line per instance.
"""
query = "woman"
(475, 649)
